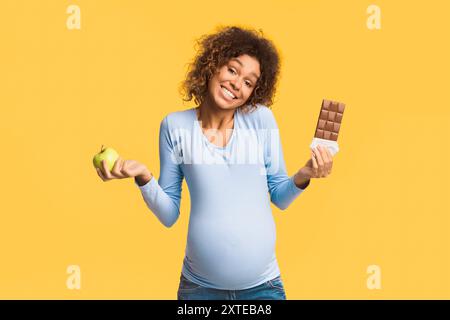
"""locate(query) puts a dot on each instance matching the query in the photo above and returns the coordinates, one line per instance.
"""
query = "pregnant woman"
(229, 151)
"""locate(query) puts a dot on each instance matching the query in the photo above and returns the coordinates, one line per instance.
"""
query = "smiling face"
(234, 82)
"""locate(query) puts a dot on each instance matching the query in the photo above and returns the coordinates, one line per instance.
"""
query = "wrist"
(301, 179)
(143, 178)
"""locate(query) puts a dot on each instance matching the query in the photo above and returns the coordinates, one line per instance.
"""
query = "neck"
(213, 117)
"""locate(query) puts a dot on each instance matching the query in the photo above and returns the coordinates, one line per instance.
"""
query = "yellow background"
(65, 92)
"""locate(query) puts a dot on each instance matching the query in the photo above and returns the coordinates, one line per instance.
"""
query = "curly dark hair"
(215, 50)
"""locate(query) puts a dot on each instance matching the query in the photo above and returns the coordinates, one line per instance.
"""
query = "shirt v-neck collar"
(232, 137)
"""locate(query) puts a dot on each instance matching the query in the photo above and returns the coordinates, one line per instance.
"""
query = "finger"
(114, 169)
(130, 169)
(122, 164)
(117, 167)
(127, 169)
(319, 162)
(326, 160)
(315, 167)
(99, 172)
(106, 172)
(323, 167)
(330, 156)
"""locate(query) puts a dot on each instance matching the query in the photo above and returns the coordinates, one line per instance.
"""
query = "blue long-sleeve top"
(231, 235)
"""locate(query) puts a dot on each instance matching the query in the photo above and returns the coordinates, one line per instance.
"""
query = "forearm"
(164, 206)
(284, 191)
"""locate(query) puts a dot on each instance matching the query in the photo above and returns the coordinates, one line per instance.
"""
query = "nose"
(235, 84)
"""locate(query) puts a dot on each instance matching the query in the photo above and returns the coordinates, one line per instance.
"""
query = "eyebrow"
(239, 61)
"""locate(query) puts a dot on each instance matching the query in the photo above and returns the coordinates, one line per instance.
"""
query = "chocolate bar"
(330, 119)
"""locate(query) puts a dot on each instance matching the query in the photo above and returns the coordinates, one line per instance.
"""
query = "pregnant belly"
(230, 249)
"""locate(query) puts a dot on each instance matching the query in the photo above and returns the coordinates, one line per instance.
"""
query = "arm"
(163, 196)
(283, 189)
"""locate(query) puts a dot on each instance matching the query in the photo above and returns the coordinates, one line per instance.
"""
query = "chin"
(225, 105)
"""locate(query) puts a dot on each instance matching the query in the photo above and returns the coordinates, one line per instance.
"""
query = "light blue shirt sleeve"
(282, 188)
(163, 196)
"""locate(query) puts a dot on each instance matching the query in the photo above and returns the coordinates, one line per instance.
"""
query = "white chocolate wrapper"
(332, 145)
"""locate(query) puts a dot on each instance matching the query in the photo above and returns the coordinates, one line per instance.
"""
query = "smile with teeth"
(228, 93)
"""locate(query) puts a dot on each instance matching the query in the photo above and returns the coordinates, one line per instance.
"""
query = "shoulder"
(178, 119)
(261, 117)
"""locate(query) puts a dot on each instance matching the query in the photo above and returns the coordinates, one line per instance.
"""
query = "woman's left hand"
(319, 166)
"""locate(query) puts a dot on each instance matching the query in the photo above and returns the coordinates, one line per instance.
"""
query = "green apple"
(109, 155)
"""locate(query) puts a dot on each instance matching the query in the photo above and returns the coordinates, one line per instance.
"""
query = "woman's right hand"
(124, 169)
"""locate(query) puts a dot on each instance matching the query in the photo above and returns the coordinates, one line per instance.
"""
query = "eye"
(231, 71)
(248, 84)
